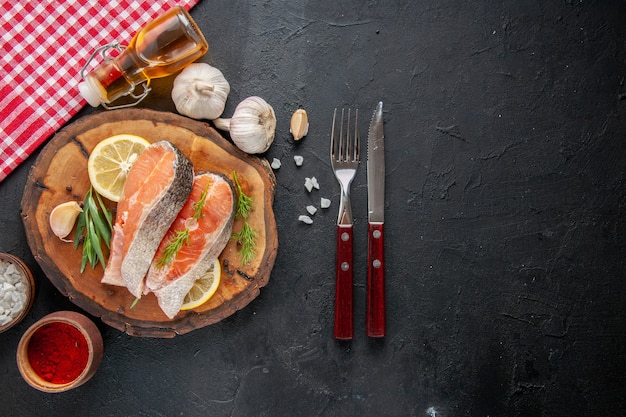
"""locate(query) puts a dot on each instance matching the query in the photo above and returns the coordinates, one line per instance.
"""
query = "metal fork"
(344, 159)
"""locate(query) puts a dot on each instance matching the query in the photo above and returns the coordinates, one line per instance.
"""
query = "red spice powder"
(58, 352)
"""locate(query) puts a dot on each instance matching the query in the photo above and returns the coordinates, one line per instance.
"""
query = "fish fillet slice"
(156, 188)
(207, 238)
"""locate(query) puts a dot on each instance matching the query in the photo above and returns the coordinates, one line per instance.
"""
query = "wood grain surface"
(60, 175)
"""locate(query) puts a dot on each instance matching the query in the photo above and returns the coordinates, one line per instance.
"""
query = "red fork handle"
(375, 322)
(343, 284)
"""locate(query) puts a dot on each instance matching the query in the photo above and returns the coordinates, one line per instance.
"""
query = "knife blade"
(375, 322)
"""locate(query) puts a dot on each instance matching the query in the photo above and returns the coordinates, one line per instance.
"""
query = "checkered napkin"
(43, 47)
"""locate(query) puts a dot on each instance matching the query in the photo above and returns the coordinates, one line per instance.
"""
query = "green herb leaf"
(244, 203)
(246, 237)
(101, 229)
(80, 229)
(95, 243)
(86, 252)
(107, 213)
(182, 236)
(199, 205)
(93, 228)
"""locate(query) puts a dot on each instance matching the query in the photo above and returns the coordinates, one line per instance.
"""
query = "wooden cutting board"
(60, 175)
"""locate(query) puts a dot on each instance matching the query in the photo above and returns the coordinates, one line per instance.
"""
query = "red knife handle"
(375, 322)
(343, 284)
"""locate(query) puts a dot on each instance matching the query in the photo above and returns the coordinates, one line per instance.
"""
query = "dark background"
(505, 124)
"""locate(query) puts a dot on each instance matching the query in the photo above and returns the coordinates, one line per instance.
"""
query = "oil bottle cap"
(88, 93)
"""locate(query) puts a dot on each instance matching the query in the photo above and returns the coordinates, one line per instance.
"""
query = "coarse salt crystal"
(13, 292)
(298, 160)
(305, 219)
(311, 210)
(275, 163)
(308, 184)
(324, 203)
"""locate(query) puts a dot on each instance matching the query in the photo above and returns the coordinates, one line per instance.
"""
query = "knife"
(375, 322)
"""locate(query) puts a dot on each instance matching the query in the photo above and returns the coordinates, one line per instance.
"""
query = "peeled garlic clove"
(63, 217)
(252, 126)
(299, 125)
(200, 91)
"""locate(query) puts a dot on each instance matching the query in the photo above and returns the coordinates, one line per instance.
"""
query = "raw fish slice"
(156, 188)
(208, 235)
(113, 271)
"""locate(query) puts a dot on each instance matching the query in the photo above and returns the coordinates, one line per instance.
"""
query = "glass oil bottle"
(162, 47)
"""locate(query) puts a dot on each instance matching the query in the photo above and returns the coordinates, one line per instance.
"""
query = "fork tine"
(355, 138)
(346, 155)
(347, 147)
(333, 140)
(342, 144)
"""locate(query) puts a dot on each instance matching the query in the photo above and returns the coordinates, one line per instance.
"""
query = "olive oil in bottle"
(161, 48)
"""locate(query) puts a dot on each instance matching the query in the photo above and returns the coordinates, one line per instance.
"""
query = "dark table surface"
(506, 151)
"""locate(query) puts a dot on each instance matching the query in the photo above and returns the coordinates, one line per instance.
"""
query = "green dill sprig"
(93, 227)
(244, 202)
(246, 237)
(181, 237)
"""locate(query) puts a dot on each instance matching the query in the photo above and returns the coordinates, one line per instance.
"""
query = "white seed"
(324, 203)
(275, 163)
(311, 210)
(298, 160)
(305, 219)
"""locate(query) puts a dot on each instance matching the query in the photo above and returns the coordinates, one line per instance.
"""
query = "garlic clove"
(63, 217)
(252, 126)
(299, 125)
(200, 92)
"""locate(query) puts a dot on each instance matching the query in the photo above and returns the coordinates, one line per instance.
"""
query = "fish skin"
(171, 283)
(151, 226)
(141, 251)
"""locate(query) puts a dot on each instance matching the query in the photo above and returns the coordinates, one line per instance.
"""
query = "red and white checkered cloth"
(43, 48)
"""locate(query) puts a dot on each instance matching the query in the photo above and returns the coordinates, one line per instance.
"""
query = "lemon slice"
(203, 288)
(110, 162)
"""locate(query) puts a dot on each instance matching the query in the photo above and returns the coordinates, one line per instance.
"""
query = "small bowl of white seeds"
(17, 291)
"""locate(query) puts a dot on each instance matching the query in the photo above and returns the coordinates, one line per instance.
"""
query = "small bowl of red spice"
(60, 352)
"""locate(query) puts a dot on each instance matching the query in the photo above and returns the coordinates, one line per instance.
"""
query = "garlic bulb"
(200, 92)
(252, 126)
(63, 217)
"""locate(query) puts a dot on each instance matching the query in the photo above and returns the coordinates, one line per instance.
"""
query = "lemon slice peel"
(111, 160)
(204, 288)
